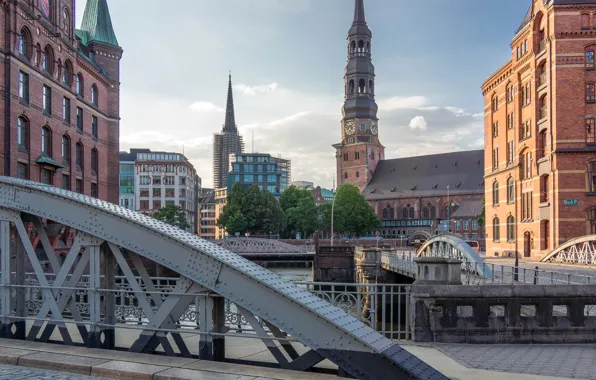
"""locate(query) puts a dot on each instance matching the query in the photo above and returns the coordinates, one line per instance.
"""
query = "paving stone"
(189, 374)
(10, 372)
(60, 362)
(12, 355)
(127, 370)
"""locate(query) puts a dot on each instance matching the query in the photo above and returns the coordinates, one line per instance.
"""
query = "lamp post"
(448, 212)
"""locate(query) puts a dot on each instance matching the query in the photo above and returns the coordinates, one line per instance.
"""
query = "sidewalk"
(130, 366)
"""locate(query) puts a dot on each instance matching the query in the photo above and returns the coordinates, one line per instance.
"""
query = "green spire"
(98, 24)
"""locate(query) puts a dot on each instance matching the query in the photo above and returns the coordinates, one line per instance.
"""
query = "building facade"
(220, 198)
(268, 173)
(321, 195)
(127, 179)
(164, 178)
(207, 220)
(305, 185)
(226, 143)
(360, 150)
(62, 85)
(540, 132)
(417, 197)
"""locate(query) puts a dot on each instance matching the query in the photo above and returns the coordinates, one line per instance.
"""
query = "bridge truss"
(581, 250)
(80, 289)
(256, 246)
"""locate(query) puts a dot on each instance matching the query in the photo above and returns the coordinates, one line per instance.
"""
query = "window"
(66, 110)
(156, 192)
(144, 205)
(79, 186)
(363, 126)
(25, 43)
(94, 127)
(411, 212)
(46, 176)
(510, 120)
(495, 158)
(65, 149)
(345, 157)
(526, 206)
(79, 156)
(156, 180)
(169, 180)
(22, 132)
(79, 119)
(457, 225)
(426, 213)
(592, 177)
(66, 21)
(144, 180)
(475, 226)
(47, 60)
(248, 178)
(525, 130)
(496, 234)
(510, 190)
(510, 152)
(510, 228)
(523, 95)
(526, 165)
(590, 93)
(47, 100)
(404, 213)
(79, 88)
(591, 130)
(495, 193)
(94, 161)
(528, 93)
(466, 225)
(272, 178)
(357, 174)
(495, 129)
(22, 170)
(494, 103)
(65, 181)
(357, 155)
(585, 20)
(590, 60)
(592, 219)
(94, 95)
(67, 74)
(23, 87)
(509, 94)
(94, 193)
(544, 192)
(345, 175)
(46, 141)
(433, 212)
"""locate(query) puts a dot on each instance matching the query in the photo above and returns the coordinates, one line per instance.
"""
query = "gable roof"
(427, 176)
(469, 208)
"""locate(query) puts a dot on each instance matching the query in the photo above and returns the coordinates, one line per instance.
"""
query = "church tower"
(359, 151)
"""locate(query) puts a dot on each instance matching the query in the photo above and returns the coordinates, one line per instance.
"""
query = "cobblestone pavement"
(11, 372)
(565, 361)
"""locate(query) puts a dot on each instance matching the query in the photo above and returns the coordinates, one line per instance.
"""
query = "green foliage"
(481, 217)
(252, 211)
(352, 214)
(301, 211)
(173, 215)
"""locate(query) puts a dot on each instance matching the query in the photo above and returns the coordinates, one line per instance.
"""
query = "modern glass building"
(261, 169)
(127, 180)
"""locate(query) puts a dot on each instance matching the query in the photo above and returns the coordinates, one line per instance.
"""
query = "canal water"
(293, 274)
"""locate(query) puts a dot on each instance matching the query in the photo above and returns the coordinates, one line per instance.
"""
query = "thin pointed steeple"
(230, 122)
(97, 23)
(359, 17)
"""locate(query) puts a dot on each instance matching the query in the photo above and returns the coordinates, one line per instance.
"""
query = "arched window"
(510, 190)
(22, 132)
(67, 73)
(426, 213)
(411, 212)
(25, 43)
(370, 86)
(360, 46)
(80, 156)
(357, 174)
(37, 55)
(585, 19)
(496, 227)
(47, 8)
(391, 213)
(79, 84)
(433, 212)
(495, 193)
(353, 46)
(510, 228)
(65, 149)
(46, 141)
(345, 175)
(361, 86)
(47, 60)
(404, 213)
(94, 161)
(66, 21)
(386, 213)
(368, 46)
(351, 86)
(94, 94)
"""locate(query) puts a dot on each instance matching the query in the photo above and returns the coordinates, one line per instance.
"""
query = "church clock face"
(374, 129)
(350, 127)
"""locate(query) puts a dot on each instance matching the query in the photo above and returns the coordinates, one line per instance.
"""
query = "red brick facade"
(541, 106)
(90, 155)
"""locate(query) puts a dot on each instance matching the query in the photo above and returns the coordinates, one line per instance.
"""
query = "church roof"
(469, 208)
(97, 24)
(427, 176)
(230, 122)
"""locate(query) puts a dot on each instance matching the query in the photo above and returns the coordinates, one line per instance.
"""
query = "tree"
(301, 211)
(481, 217)
(236, 223)
(352, 214)
(234, 204)
(173, 215)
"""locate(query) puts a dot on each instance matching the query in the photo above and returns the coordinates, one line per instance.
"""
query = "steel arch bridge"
(256, 246)
(453, 247)
(581, 250)
(110, 239)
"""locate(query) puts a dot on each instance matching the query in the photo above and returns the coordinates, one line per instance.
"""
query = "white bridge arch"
(581, 250)
(204, 269)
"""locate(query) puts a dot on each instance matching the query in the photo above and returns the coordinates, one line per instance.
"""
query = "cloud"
(418, 122)
(254, 90)
(205, 107)
(398, 102)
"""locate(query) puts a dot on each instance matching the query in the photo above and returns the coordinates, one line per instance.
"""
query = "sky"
(287, 59)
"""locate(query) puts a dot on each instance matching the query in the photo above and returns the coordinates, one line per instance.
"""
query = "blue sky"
(287, 59)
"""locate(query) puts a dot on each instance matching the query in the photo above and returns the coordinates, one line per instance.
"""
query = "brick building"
(60, 110)
(418, 197)
(540, 132)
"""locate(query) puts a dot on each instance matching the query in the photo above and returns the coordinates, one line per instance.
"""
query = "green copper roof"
(97, 23)
(47, 160)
